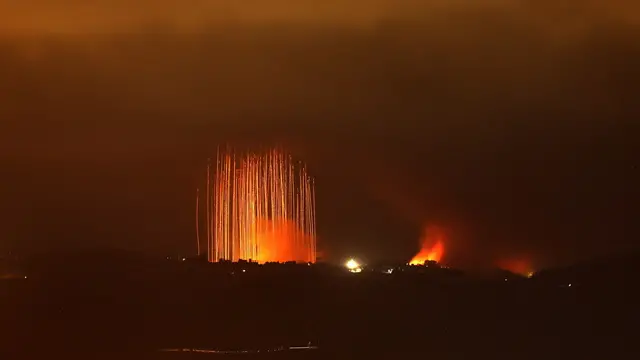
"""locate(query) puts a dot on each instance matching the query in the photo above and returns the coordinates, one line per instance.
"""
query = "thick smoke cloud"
(509, 122)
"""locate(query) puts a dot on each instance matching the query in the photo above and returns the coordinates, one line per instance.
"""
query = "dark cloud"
(511, 123)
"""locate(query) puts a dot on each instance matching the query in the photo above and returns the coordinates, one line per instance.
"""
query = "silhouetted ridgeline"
(123, 303)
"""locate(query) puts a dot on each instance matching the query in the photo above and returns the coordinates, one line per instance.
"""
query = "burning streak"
(432, 246)
(261, 208)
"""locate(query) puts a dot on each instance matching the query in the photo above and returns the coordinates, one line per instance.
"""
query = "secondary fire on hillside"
(432, 246)
(520, 266)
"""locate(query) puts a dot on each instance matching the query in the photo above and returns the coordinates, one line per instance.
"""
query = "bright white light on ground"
(352, 264)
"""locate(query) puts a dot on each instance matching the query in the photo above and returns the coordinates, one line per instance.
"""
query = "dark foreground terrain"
(119, 306)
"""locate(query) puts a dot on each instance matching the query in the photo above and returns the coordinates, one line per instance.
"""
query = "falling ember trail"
(261, 208)
(198, 221)
(432, 246)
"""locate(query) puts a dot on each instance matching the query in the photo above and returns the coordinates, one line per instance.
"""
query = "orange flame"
(432, 246)
(280, 241)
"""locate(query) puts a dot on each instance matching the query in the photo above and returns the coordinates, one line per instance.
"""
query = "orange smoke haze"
(46, 16)
(432, 248)
(517, 266)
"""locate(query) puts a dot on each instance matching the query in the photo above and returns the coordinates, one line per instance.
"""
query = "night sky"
(513, 124)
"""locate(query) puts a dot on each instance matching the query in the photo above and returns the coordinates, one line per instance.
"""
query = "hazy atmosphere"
(512, 124)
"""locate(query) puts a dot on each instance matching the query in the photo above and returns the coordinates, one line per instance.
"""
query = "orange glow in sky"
(432, 246)
(517, 266)
(281, 241)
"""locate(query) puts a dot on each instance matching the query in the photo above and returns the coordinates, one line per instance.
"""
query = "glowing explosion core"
(432, 246)
(260, 207)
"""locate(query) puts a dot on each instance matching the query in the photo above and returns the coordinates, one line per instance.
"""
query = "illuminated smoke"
(260, 207)
(517, 266)
(432, 246)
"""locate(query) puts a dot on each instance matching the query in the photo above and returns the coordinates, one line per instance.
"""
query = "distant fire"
(516, 266)
(432, 246)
